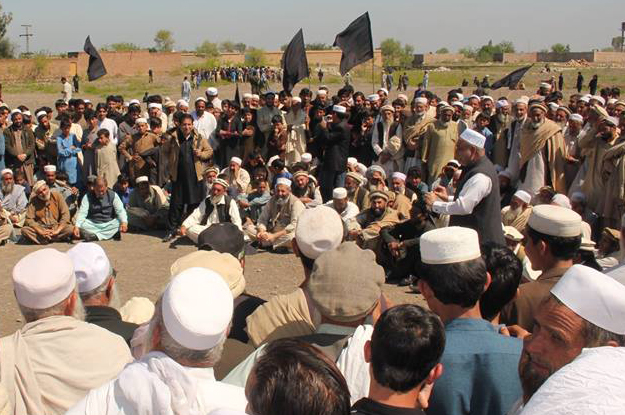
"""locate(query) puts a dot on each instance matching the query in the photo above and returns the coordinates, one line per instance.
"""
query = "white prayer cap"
(599, 99)
(421, 100)
(561, 200)
(284, 181)
(449, 245)
(474, 96)
(141, 120)
(16, 111)
(197, 308)
(4, 105)
(399, 175)
(383, 90)
(43, 278)
(620, 103)
(126, 104)
(49, 168)
(454, 162)
(247, 95)
(322, 92)
(555, 221)
(155, 105)
(373, 97)
(443, 104)
(545, 85)
(88, 101)
(502, 103)
(272, 159)
(27, 113)
(487, 98)
(211, 91)
(306, 157)
(473, 137)
(576, 117)
(40, 114)
(612, 101)
(612, 121)
(221, 182)
(200, 99)
(403, 97)
(457, 104)
(225, 265)
(587, 245)
(460, 96)
(318, 230)
(137, 310)
(362, 169)
(141, 179)
(255, 96)
(132, 102)
(378, 168)
(585, 99)
(236, 160)
(182, 102)
(296, 99)
(523, 195)
(339, 109)
(352, 161)
(512, 233)
(6, 171)
(553, 106)
(339, 193)
(467, 107)
(593, 296)
(523, 100)
(91, 265)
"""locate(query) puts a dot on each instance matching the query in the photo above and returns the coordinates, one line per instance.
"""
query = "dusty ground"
(143, 261)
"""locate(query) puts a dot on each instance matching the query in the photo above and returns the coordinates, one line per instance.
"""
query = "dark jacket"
(335, 141)
(28, 146)
(110, 319)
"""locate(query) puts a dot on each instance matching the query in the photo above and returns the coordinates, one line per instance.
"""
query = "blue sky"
(62, 26)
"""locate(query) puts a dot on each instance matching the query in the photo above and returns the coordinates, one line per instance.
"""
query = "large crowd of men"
(506, 216)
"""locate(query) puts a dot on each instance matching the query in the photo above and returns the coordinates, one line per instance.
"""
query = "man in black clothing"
(592, 85)
(334, 140)
(404, 353)
(95, 278)
(580, 82)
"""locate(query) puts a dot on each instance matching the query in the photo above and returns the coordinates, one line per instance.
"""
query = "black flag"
(294, 62)
(511, 79)
(356, 42)
(237, 98)
(96, 65)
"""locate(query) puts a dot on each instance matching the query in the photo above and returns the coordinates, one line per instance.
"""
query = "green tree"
(391, 52)
(255, 57)
(442, 50)
(164, 40)
(506, 47)
(407, 56)
(122, 47)
(208, 48)
(617, 43)
(487, 52)
(240, 47)
(468, 52)
(7, 49)
(226, 46)
(318, 46)
(560, 48)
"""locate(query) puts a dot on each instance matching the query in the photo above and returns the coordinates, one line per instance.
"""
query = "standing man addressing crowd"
(477, 200)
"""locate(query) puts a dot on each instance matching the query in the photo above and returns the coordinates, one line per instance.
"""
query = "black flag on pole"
(294, 62)
(237, 98)
(356, 42)
(96, 65)
(512, 79)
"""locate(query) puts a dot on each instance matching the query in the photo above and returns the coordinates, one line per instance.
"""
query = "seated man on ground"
(237, 176)
(97, 286)
(252, 203)
(276, 224)
(218, 208)
(366, 226)
(101, 215)
(305, 189)
(147, 206)
(518, 211)
(55, 358)
(47, 217)
(340, 202)
(356, 193)
(186, 337)
(13, 199)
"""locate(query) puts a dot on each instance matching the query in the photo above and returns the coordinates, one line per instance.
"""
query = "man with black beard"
(355, 192)
(583, 310)
(20, 147)
(305, 190)
(366, 226)
(47, 217)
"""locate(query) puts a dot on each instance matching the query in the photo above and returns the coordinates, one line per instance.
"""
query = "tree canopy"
(164, 40)
(394, 54)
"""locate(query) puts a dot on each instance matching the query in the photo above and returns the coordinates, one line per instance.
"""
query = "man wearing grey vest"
(476, 204)
(101, 215)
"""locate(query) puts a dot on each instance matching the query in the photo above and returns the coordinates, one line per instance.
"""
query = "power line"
(27, 35)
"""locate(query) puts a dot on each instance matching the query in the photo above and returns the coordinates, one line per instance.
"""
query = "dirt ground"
(142, 263)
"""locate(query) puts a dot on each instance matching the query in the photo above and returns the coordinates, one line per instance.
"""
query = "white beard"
(512, 214)
(217, 199)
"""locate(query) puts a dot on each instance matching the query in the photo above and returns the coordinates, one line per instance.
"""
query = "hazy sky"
(61, 26)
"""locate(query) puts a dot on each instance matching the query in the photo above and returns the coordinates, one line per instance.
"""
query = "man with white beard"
(13, 198)
(186, 336)
(414, 128)
(47, 217)
(97, 286)
(277, 221)
(500, 125)
(439, 141)
(56, 357)
(571, 137)
(218, 208)
(518, 212)
(540, 156)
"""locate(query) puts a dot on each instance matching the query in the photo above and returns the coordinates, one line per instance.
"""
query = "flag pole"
(373, 74)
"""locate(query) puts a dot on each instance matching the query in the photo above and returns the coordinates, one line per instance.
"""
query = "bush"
(255, 57)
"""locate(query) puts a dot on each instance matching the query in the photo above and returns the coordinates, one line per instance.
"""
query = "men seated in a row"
(47, 217)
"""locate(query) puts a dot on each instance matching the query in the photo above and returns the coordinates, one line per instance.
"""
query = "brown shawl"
(549, 134)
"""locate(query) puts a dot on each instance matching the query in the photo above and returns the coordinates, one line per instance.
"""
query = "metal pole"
(373, 74)
(27, 36)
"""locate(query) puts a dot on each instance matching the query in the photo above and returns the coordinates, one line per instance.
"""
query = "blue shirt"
(480, 371)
